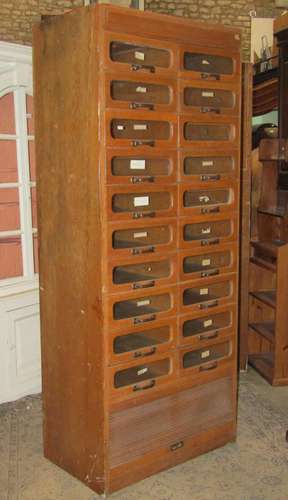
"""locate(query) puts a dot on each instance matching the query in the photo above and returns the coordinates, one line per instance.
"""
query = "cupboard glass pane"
(208, 63)
(142, 372)
(139, 54)
(147, 338)
(11, 265)
(139, 92)
(7, 114)
(9, 209)
(8, 161)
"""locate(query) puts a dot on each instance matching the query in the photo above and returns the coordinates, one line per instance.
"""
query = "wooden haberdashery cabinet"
(137, 136)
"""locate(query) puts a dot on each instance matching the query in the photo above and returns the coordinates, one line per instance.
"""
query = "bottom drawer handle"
(138, 321)
(141, 215)
(138, 251)
(140, 354)
(149, 284)
(144, 387)
(211, 272)
(207, 368)
(208, 336)
(207, 305)
(212, 241)
(177, 446)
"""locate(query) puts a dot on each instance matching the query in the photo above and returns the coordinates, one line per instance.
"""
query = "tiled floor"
(253, 468)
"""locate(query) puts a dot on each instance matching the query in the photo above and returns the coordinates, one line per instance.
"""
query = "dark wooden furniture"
(138, 166)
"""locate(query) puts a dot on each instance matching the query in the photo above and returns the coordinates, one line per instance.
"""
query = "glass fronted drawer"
(142, 132)
(150, 203)
(207, 168)
(153, 168)
(135, 93)
(142, 342)
(147, 237)
(207, 358)
(139, 56)
(205, 201)
(148, 273)
(207, 295)
(197, 329)
(211, 263)
(208, 132)
(218, 101)
(139, 378)
(143, 308)
(201, 232)
(209, 64)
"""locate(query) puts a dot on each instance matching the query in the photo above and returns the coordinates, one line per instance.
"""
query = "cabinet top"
(147, 24)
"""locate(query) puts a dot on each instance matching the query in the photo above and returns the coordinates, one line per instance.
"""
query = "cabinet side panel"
(65, 75)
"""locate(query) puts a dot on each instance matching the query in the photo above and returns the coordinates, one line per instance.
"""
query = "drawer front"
(207, 358)
(141, 202)
(140, 92)
(206, 199)
(139, 56)
(142, 377)
(202, 327)
(142, 273)
(211, 262)
(141, 307)
(209, 65)
(207, 294)
(125, 130)
(209, 99)
(209, 167)
(204, 232)
(209, 132)
(141, 342)
(155, 167)
(142, 238)
(138, 431)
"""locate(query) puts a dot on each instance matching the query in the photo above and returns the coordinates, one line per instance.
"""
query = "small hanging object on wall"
(265, 54)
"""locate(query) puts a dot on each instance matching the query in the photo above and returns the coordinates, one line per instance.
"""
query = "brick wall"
(16, 16)
(230, 12)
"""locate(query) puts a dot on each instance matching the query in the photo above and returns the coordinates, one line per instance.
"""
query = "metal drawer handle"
(140, 354)
(208, 305)
(208, 336)
(212, 272)
(144, 387)
(177, 446)
(216, 177)
(142, 215)
(140, 180)
(210, 76)
(138, 67)
(209, 367)
(213, 210)
(205, 109)
(137, 143)
(149, 284)
(138, 251)
(212, 241)
(139, 105)
(138, 321)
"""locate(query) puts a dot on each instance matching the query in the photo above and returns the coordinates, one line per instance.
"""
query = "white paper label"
(204, 291)
(206, 230)
(204, 61)
(207, 322)
(137, 164)
(140, 235)
(207, 163)
(140, 126)
(204, 199)
(145, 302)
(205, 354)
(120, 127)
(139, 55)
(141, 90)
(141, 201)
(206, 93)
(142, 371)
(206, 262)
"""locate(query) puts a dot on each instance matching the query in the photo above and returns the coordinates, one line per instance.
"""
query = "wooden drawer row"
(161, 166)
(148, 271)
(146, 306)
(121, 52)
(139, 377)
(142, 92)
(124, 129)
(146, 202)
(135, 238)
(193, 329)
